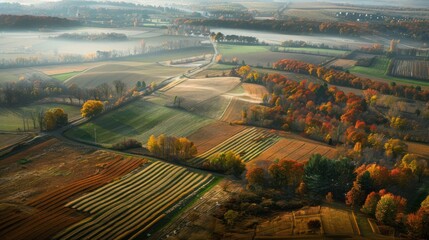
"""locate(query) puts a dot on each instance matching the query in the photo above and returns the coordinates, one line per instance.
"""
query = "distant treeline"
(93, 37)
(29, 22)
(416, 29)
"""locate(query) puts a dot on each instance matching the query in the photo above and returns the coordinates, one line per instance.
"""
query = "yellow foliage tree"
(91, 108)
(54, 118)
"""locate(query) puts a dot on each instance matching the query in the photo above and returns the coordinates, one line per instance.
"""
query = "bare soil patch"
(211, 135)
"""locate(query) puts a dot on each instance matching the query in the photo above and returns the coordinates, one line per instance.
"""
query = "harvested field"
(281, 225)
(255, 90)
(411, 69)
(242, 99)
(211, 135)
(195, 91)
(139, 120)
(249, 143)
(294, 149)
(128, 72)
(66, 68)
(44, 214)
(115, 214)
(344, 63)
(336, 221)
(8, 139)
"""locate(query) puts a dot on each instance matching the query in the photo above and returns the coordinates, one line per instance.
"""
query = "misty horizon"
(396, 3)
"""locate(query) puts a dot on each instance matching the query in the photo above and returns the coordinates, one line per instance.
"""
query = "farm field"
(195, 91)
(170, 55)
(344, 63)
(45, 215)
(15, 74)
(139, 120)
(213, 134)
(50, 165)
(378, 72)
(316, 51)
(411, 68)
(64, 76)
(128, 72)
(263, 56)
(249, 143)
(335, 221)
(11, 118)
(295, 149)
(115, 214)
(8, 139)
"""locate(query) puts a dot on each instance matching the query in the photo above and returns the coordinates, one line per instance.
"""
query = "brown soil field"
(211, 135)
(194, 91)
(244, 98)
(344, 63)
(337, 221)
(255, 90)
(7, 139)
(57, 173)
(295, 149)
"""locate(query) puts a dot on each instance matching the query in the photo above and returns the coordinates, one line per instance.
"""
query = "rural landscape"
(214, 119)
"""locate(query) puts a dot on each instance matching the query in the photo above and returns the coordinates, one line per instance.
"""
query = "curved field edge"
(138, 120)
(188, 203)
(119, 216)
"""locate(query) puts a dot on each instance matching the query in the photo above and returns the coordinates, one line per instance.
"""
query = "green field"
(231, 49)
(377, 71)
(317, 51)
(11, 118)
(64, 76)
(139, 120)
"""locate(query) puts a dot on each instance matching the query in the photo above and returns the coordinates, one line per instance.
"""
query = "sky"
(403, 3)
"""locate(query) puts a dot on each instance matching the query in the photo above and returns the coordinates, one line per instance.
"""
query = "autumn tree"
(370, 204)
(171, 148)
(92, 108)
(255, 177)
(395, 148)
(54, 118)
(231, 216)
(388, 208)
(414, 163)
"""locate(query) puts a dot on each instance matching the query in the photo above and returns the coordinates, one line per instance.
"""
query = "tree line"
(373, 188)
(31, 22)
(416, 29)
(220, 37)
(346, 79)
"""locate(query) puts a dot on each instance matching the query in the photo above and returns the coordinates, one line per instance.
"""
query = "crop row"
(49, 216)
(411, 68)
(127, 208)
(249, 143)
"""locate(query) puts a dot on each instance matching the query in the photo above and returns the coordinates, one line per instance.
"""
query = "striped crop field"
(48, 216)
(298, 150)
(127, 208)
(249, 143)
